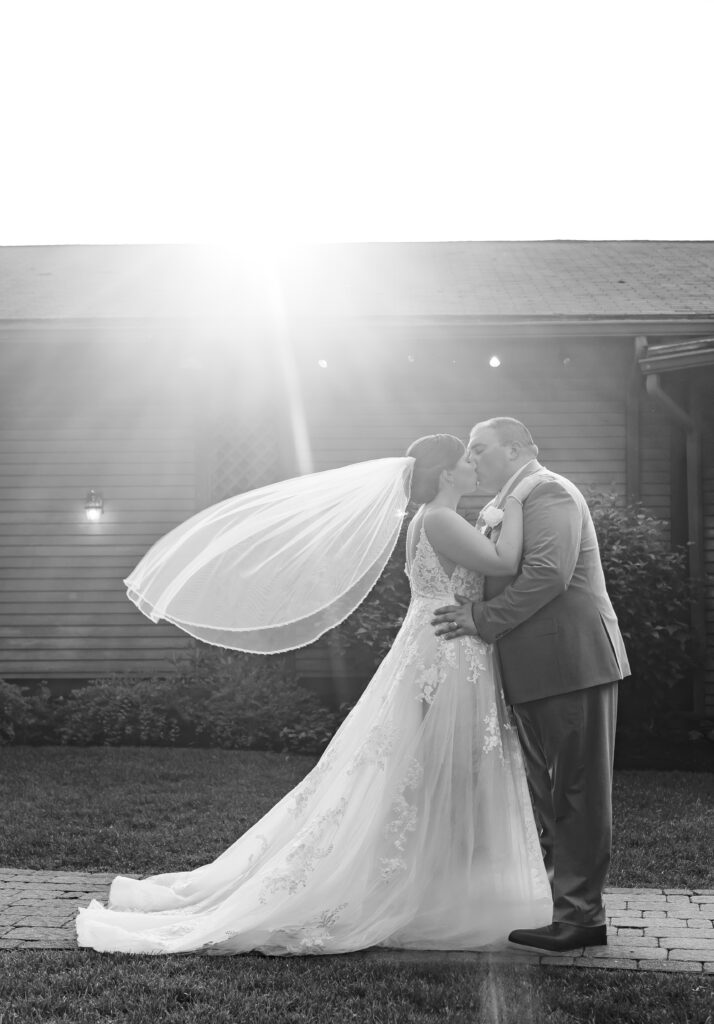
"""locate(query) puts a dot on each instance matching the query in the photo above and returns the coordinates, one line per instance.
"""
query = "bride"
(415, 829)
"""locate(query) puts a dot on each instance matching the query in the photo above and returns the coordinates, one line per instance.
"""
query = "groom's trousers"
(568, 744)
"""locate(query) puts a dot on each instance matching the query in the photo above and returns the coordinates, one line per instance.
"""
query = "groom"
(561, 656)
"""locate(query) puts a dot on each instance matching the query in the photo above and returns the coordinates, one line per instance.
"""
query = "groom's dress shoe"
(559, 937)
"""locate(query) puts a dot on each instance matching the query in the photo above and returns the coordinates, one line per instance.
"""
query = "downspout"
(695, 520)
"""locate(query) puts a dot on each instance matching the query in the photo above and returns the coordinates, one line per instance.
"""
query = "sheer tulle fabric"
(273, 569)
(414, 830)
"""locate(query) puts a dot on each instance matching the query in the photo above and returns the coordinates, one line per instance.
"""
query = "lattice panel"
(243, 455)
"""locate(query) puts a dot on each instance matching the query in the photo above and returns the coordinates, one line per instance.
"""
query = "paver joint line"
(649, 929)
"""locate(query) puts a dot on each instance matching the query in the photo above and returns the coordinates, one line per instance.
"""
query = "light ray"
(288, 367)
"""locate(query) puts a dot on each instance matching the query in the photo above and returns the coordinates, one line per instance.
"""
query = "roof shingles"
(467, 279)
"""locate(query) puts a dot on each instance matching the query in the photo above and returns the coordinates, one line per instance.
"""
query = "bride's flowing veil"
(275, 568)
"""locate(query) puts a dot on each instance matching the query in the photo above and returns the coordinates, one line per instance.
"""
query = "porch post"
(697, 566)
(633, 401)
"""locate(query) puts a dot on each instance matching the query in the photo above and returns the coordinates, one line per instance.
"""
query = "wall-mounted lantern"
(93, 506)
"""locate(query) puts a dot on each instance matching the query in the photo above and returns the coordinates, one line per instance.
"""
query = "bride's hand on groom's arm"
(452, 621)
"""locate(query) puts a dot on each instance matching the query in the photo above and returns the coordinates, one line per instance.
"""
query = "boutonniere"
(492, 517)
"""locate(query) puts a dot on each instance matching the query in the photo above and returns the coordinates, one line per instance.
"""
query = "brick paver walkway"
(648, 929)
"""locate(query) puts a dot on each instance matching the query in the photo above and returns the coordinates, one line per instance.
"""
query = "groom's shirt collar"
(504, 490)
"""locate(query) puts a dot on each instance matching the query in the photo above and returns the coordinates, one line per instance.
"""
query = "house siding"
(365, 406)
(75, 417)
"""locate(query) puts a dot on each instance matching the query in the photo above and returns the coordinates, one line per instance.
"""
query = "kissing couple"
(465, 801)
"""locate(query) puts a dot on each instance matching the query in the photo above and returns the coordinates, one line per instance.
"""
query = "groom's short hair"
(511, 431)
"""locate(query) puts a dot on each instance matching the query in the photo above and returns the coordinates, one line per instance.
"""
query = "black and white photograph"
(356, 512)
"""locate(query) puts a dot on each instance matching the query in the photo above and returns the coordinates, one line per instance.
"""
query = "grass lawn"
(88, 988)
(149, 810)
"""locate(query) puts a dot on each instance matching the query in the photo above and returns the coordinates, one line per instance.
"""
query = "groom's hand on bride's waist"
(452, 621)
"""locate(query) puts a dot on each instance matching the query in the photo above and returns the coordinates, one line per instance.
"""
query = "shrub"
(123, 709)
(25, 716)
(215, 698)
(253, 702)
(13, 711)
(652, 595)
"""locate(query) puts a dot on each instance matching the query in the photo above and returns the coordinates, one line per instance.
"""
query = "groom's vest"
(553, 623)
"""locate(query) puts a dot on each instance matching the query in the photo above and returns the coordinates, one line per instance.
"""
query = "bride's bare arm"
(451, 536)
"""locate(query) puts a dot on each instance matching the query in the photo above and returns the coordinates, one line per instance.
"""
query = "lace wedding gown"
(414, 830)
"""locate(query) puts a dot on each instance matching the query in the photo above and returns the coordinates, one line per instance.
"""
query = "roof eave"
(548, 325)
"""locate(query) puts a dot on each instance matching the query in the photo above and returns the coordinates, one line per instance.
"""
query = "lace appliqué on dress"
(312, 935)
(430, 580)
(403, 822)
(259, 853)
(305, 790)
(377, 747)
(313, 842)
(492, 738)
(427, 576)
(429, 684)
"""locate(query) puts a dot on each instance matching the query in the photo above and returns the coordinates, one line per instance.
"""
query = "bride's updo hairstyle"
(432, 455)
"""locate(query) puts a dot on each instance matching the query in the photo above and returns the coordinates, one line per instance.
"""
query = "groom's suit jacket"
(553, 623)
